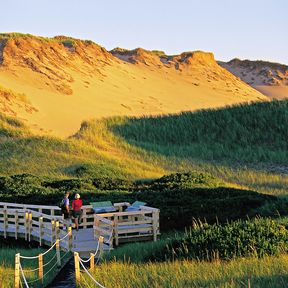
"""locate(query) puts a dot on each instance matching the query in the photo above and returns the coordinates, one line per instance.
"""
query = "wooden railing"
(44, 223)
(30, 222)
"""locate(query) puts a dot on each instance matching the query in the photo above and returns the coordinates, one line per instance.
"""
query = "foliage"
(259, 238)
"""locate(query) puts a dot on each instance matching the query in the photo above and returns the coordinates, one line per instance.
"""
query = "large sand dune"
(66, 81)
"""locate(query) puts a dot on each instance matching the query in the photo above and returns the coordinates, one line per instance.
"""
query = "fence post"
(77, 267)
(5, 221)
(40, 264)
(58, 252)
(155, 218)
(57, 230)
(52, 231)
(70, 238)
(84, 218)
(30, 225)
(26, 225)
(92, 261)
(16, 224)
(96, 224)
(40, 230)
(101, 246)
(17, 271)
(116, 230)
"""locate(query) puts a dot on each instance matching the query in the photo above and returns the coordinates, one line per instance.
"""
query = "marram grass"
(268, 272)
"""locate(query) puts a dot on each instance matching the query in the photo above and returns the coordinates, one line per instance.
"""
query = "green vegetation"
(235, 157)
(258, 238)
(262, 273)
(8, 249)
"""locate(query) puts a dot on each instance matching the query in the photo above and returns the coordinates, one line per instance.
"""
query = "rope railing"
(19, 271)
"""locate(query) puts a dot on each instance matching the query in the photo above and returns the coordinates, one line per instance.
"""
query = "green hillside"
(244, 145)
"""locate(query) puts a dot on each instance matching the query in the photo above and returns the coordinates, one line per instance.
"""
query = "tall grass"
(267, 272)
(7, 262)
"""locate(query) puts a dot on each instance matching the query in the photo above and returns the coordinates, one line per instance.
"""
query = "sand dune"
(67, 81)
(271, 79)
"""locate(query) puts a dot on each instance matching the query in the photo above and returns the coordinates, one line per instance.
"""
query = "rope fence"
(21, 278)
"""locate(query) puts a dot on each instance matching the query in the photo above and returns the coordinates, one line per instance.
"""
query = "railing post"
(30, 225)
(84, 218)
(70, 239)
(155, 218)
(5, 221)
(92, 261)
(52, 231)
(116, 230)
(40, 264)
(96, 224)
(77, 267)
(40, 230)
(26, 225)
(57, 230)
(17, 271)
(58, 253)
(101, 246)
(16, 224)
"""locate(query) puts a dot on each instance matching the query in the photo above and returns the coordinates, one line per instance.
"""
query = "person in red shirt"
(77, 213)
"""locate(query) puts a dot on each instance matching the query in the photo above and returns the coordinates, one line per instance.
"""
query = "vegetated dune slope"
(271, 79)
(54, 84)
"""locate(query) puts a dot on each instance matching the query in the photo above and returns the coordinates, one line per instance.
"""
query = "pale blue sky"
(253, 29)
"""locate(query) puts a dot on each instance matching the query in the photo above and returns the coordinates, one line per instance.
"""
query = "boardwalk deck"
(29, 222)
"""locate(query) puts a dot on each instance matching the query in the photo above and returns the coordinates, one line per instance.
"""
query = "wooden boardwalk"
(45, 224)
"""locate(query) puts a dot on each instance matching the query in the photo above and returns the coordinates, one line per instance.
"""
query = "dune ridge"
(69, 80)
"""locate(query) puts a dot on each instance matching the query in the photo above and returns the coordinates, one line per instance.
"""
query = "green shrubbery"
(180, 197)
(259, 237)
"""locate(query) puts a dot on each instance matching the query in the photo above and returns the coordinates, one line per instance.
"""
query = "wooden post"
(26, 225)
(92, 261)
(16, 224)
(57, 230)
(155, 224)
(101, 246)
(116, 230)
(77, 267)
(58, 252)
(52, 231)
(84, 218)
(5, 221)
(30, 226)
(96, 224)
(40, 230)
(70, 240)
(17, 271)
(40, 264)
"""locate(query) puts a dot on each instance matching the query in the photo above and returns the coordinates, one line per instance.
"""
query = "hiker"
(77, 213)
(65, 206)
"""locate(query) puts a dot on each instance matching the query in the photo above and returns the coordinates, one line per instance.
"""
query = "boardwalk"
(98, 231)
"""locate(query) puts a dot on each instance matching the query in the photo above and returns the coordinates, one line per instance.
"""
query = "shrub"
(258, 238)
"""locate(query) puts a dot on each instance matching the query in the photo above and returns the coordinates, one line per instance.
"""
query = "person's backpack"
(62, 204)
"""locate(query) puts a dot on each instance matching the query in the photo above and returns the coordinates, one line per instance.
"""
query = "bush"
(258, 238)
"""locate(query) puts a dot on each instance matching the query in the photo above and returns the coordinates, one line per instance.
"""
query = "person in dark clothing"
(65, 206)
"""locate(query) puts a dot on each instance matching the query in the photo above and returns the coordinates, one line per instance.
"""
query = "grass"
(7, 256)
(266, 272)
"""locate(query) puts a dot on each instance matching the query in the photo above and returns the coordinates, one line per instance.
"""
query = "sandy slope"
(269, 78)
(67, 86)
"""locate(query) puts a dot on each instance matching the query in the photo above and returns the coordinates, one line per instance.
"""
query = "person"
(77, 213)
(65, 206)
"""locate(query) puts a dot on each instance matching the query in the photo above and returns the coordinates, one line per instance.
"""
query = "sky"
(246, 29)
